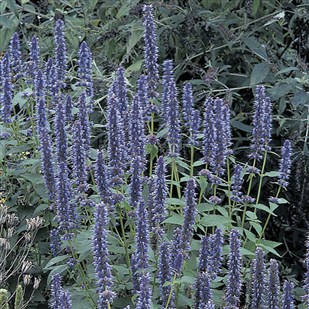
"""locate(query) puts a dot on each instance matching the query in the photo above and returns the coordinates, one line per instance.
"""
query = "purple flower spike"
(85, 70)
(144, 293)
(285, 164)
(141, 237)
(168, 77)
(204, 282)
(165, 275)
(237, 182)
(233, 291)
(6, 95)
(137, 131)
(143, 100)
(195, 129)
(187, 102)
(34, 63)
(136, 184)
(273, 286)
(56, 291)
(60, 132)
(60, 52)
(102, 181)
(261, 134)
(217, 243)
(65, 300)
(306, 279)
(189, 218)
(83, 116)
(101, 257)
(159, 197)
(258, 291)
(45, 140)
(288, 302)
(171, 107)
(115, 142)
(15, 56)
(66, 212)
(69, 108)
(55, 244)
(209, 131)
(150, 51)
(79, 159)
(121, 93)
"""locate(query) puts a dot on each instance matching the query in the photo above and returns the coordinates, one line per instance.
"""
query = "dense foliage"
(113, 161)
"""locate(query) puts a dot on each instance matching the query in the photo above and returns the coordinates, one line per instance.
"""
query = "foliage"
(234, 50)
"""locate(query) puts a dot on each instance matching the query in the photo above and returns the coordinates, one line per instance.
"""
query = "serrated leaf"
(134, 38)
(259, 72)
(54, 261)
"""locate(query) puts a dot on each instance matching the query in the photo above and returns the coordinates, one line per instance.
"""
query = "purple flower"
(234, 282)
(205, 260)
(83, 116)
(60, 52)
(65, 300)
(236, 186)
(203, 286)
(168, 77)
(66, 212)
(115, 142)
(216, 249)
(165, 275)
(143, 99)
(258, 291)
(56, 291)
(34, 63)
(79, 159)
(158, 213)
(285, 164)
(141, 237)
(144, 293)
(85, 70)
(189, 218)
(288, 302)
(121, 93)
(60, 132)
(101, 260)
(15, 56)
(6, 91)
(261, 134)
(69, 108)
(306, 276)
(55, 244)
(150, 51)
(273, 286)
(191, 116)
(137, 131)
(45, 141)
(102, 181)
(172, 108)
(136, 184)
(51, 79)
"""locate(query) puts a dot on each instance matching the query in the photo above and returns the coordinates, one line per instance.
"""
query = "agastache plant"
(15, 56)
(273, 299)
(85, 70)
(60, 53)
(150, 51)
(6, 95)
(101, 260)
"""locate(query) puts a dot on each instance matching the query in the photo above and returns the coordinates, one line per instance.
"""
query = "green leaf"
(54, 261)
(174, 219)
(259, 72)
(257, 227)
(215, 220)
(256, 47)
(35, 179)
(272, 174)
(134, 38)
(135, 67)
(250, 236)
(241, 126)
(255, 7)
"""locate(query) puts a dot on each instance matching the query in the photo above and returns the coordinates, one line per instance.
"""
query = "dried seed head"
(10, 232)
(12, 220)
(27, 279)
(3, 212)
(4, 244)
(26, 266)
(27, 237)
(34, 223)
(36, 283)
